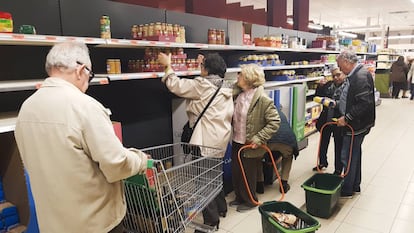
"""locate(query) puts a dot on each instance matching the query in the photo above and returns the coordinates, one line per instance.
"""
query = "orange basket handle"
(244, 174)
(350, 147)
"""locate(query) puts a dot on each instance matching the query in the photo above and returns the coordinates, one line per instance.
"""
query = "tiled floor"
(386, 203)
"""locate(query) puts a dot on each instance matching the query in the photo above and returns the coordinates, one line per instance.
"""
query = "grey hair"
(348, 56)
(65, 55)
(253, 74)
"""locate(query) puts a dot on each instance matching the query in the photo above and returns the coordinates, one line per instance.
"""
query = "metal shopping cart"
(177, 187)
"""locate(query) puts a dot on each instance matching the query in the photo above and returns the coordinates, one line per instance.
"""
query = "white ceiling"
(397, 14)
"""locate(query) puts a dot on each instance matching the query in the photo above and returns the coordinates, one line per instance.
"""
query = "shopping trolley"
(174, 190)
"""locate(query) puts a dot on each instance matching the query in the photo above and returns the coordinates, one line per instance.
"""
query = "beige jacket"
(74, 160)
(214, 127)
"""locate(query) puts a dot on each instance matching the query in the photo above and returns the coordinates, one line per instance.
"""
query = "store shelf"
(143, 75)
(310, 132)
(270, 84)
(123, 43)
(42, 40)
(310, 92)
(33, 84)
(311, 104)
(7, 121)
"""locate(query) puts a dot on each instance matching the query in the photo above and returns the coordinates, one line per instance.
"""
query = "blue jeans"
(352, 180)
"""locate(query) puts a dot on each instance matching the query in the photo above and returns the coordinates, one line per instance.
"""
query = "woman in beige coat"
(255, 120)
(214, 127)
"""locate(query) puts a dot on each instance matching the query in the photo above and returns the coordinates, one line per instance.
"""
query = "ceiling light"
(361, 29)
(347, 34)
(310, 25)
(402, 36)
(375, 37)
(392, 37)
(315, 26)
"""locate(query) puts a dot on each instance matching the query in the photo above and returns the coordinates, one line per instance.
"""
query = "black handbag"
(188, 131)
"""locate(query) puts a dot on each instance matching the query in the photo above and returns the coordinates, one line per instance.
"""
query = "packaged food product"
(6, 22)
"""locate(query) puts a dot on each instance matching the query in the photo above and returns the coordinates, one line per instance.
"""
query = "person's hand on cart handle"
(254, 145)
(341, 121)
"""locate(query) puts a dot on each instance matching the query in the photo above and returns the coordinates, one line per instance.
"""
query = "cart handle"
(244, 174)
(350, 148)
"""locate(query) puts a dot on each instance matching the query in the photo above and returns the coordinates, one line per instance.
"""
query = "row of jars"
(153, 52)
(154, 66)
(216, 36)
(158, 29)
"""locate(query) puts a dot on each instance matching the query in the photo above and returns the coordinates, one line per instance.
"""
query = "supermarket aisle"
(386, 203)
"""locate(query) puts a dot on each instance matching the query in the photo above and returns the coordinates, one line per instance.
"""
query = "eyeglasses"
(337, 75)
(91, 74)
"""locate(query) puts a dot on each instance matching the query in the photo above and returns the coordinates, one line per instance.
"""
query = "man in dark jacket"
(284, 146)
(359, 112)
(333, 90)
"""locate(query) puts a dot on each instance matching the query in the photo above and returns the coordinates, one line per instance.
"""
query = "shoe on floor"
(357, 191)
(346, 195)
(244, 207)
(286, 186)
(321, 166)
(235, 203)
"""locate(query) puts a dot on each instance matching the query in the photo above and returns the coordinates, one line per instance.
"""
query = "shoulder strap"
(208, 104)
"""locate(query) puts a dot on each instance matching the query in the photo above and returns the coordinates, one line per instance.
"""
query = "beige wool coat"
(74, 160)
(214, 127)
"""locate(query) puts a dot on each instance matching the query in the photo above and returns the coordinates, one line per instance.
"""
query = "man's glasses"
(91, 74)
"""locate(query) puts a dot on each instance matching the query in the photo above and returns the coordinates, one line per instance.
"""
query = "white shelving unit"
(7, 120)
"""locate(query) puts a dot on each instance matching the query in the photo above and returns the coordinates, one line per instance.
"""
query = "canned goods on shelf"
(110, 66)
(105, 27)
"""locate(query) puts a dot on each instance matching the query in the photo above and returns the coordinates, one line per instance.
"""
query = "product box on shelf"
(14, 181)
(239, 33)
(281, 78)
(6, 22)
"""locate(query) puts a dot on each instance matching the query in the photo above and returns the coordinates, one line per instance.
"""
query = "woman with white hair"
(255, 120)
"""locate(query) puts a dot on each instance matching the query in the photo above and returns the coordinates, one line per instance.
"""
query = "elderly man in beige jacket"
(69, 148)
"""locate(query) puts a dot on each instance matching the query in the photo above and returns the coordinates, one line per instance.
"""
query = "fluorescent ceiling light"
(361, 29)
(347, 34)
(402, 36)
(392, 37)
(315, 26)
(310, 25)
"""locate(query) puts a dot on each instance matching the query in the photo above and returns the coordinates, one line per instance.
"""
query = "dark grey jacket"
(360, 101)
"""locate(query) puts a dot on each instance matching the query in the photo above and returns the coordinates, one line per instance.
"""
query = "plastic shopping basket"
(322, 190)
(174, 190)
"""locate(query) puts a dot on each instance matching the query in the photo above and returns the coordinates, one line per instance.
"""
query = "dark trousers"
(324, 144)
(352, 180)
(212, 210)
(396, 87)
(412, 91)
(251, 167)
